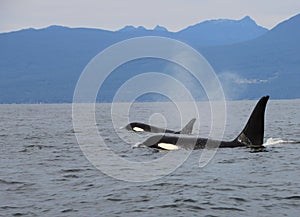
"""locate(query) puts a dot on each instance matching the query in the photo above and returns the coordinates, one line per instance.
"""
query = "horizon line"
(138, 26)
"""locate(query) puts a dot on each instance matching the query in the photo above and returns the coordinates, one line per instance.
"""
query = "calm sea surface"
(43, 171)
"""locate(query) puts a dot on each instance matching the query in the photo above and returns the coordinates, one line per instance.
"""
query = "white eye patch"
(137, 129)
(168, 146)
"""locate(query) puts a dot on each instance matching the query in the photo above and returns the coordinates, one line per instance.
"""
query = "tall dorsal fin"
(188, 129)
(253, 133)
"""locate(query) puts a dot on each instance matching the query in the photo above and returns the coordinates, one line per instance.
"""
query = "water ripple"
(43, 171)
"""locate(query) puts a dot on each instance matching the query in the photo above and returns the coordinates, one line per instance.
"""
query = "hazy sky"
(114, 14)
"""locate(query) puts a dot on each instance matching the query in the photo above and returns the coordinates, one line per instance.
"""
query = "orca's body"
(251, 136)
(141, 127)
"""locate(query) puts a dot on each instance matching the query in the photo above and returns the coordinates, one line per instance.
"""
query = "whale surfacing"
(251, 136)
(141, 127)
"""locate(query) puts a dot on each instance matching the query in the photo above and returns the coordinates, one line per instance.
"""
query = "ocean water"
(44, 172)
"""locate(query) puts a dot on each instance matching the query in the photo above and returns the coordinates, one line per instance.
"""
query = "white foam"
(275, 141)
(137, 145)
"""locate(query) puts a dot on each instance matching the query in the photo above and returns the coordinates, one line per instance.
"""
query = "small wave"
(68, 210)
(279, 141)
(23, 187)
(71, 131)
(239, 199)
(114, 199)
(138, 145)
(2, 181)
(32, 137)
(28, 148)
(71, 170)
(9, 207)
(169, 206)
(228, 208)
(194, 207)
(294, 197)
(71, 176)
(185, 201)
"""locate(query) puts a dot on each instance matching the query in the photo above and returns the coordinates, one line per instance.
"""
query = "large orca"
(141, 127)
(251, 136)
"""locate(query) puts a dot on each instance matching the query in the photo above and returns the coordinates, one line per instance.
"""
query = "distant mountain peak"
(160, 28)
(247, 18)
(56, 27)
(130, 28)
(223, 31)
(126, 28)
(288, 30)
(141, 28)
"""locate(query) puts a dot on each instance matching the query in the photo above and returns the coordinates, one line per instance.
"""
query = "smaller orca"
(251, 136)
(141, 127)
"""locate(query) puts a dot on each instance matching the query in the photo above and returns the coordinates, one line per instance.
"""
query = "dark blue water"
(43, 171)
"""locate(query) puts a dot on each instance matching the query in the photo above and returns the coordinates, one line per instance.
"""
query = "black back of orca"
(251, 136)
(140, 127)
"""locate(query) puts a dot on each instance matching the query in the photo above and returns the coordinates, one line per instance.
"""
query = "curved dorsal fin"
(253, 133)
(188, 128)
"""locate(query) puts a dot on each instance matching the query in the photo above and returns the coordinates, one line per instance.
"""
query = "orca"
(141, 127)
(251, 136)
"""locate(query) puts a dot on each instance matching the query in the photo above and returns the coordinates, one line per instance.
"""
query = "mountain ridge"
(44, 65)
